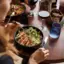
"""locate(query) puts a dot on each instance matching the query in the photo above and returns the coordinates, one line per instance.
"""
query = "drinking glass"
(56, 15)
(55, 30)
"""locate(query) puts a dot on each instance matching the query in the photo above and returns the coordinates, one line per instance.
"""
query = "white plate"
(43, 14)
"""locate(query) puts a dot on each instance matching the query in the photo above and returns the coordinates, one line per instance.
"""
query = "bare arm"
(4, 8)
(38, 56)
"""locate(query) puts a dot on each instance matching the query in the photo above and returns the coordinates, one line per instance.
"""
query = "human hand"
(12, 27)
(39, 55)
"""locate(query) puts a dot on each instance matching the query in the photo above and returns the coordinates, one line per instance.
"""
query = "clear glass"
(55, 30)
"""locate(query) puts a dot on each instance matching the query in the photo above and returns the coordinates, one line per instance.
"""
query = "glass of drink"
(55, 30)
(56, 15)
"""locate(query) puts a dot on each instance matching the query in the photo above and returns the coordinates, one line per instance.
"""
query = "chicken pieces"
(24, 39)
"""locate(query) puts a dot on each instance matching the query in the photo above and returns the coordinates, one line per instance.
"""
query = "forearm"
(4, 8)
(38, 56)
(32, 61)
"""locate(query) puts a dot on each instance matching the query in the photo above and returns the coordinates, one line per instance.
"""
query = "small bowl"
(53, 16)
(28, 49)
(44, 14)
(18, 17)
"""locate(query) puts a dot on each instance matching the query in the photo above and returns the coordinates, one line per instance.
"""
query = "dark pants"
(6, 60)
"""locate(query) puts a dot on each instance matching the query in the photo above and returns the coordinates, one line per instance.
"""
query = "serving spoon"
(12, 14)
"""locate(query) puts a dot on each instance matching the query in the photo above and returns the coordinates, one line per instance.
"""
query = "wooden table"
(57, 48)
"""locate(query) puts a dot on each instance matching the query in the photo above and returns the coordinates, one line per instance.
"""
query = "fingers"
(9, 25)
(46, 55)
(5, 26)
(44, 52)
(40, 55)
(42, 49)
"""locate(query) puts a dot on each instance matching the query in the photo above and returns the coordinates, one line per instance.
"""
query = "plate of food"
(28, 38)
(17, 9)
(17, 13)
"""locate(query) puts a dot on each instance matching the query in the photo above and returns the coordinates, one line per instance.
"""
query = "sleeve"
(22, 0)
(6, 60)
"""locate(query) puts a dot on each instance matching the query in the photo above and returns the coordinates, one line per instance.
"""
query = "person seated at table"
(8, 57)
(7, 54)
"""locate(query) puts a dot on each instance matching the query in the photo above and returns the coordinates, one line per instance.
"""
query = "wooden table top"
(57, 48)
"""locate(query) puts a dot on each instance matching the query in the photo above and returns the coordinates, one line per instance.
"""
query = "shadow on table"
(52, 61)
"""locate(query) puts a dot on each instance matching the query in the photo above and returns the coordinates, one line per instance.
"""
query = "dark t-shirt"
(6, 60)
(22, 0)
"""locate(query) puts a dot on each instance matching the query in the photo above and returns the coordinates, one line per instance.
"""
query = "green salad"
(29, 36)
(34, 35)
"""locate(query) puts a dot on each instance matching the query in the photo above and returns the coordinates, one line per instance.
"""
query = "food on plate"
(28, 37)
(17, 9)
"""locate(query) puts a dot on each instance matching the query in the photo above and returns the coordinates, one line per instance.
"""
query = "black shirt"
(22, 0)
(6, 60)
